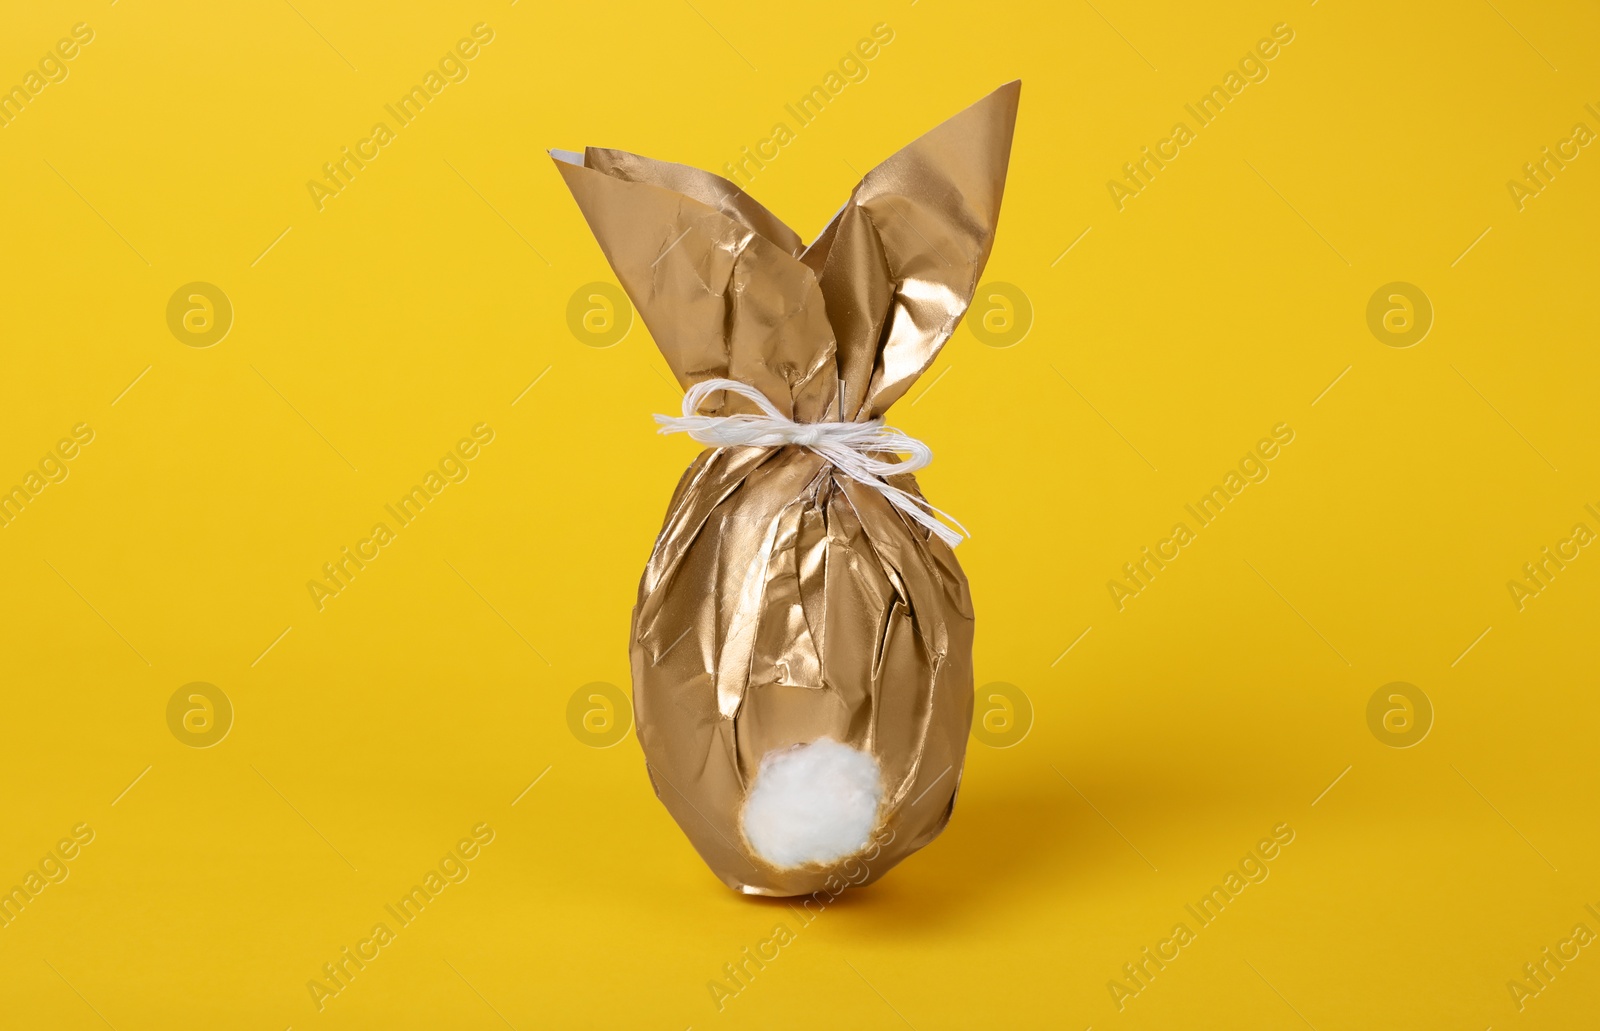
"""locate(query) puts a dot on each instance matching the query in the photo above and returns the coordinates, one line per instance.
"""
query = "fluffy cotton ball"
(813, 803)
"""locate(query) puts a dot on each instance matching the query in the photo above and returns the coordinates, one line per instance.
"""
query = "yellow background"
(371, 335)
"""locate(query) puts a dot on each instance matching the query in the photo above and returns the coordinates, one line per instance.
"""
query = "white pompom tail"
(815, 803)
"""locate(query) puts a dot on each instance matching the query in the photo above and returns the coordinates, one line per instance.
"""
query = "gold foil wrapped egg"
(801, 650)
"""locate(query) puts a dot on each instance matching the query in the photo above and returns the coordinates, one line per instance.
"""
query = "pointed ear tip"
(1005, 95)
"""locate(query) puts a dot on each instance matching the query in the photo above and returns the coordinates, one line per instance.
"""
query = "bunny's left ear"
(709, 189)
(900, 262)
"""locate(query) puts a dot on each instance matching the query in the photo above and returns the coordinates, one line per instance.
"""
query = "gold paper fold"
(784, 602)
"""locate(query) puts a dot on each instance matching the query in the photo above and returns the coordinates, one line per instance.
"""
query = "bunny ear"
(721, 297)
(899, 263)
(708, 188)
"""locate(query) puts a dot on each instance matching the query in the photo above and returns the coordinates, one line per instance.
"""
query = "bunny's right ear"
(900, 262)
(714, 277)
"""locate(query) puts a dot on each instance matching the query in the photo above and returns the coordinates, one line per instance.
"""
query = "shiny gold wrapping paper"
(784, 602)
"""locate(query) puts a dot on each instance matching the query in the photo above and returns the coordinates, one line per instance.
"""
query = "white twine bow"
(847, 446)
